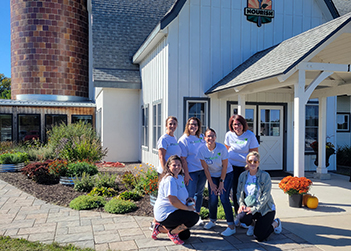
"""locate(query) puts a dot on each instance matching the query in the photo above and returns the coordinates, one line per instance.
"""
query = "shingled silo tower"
(49, 50)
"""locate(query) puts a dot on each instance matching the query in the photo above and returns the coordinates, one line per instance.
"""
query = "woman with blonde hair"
(256, 205)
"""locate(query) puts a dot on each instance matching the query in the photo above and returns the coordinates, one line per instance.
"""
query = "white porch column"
(322, 171)
(241, 104)
(299, 125)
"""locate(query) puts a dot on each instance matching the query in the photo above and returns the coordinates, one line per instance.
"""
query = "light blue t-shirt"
(169, 186)
(240, 146)
(214, 159)
(190, 147)
(171, 146)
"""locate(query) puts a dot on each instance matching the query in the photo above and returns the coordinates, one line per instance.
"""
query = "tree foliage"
(5, 87)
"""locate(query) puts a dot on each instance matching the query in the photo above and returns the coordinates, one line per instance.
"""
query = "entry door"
(267, 123)
(271, 137)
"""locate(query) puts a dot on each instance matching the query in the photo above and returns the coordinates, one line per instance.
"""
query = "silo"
(49, 50)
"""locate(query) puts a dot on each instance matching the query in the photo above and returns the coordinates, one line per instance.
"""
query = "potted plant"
(12, 161)
(295, 187)
(329, 148)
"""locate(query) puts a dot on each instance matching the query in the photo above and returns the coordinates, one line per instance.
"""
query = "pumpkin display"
(304, 199)
(312, 202)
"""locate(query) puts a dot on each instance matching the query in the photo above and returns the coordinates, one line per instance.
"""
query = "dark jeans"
(263, 224)
(179, 217)
(237, 170)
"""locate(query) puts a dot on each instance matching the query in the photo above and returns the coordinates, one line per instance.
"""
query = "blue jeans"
(196, 187)
(213, 199)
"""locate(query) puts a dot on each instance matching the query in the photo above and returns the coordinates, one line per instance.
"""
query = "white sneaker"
(228, 232)
(152, 226)
(279, 228)
(199, 222)
(250, 231)
(210, 225)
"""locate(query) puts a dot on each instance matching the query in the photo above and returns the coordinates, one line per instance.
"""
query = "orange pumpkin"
(304, 199)
(312, 202)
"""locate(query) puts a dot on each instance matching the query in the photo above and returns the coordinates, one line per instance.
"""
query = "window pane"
(311, 133)
(147, 126)
(6, 127)
(84, 118)
(342, 122)
(28, 127)
(249, 116)
(198, 110)
(154, 124)
(270, 122)
(53, 120)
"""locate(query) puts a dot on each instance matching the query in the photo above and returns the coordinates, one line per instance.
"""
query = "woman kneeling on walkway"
(256, 205)
(171, 209)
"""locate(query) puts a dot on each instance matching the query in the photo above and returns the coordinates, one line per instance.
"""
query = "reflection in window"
(145, 126)
(156, 124)
(249, 117)
(28, 127)
(54, 120)
(270, 122)
(198, 109)
(84, 118)
(6, 127)
(343, 122)
(311, 133)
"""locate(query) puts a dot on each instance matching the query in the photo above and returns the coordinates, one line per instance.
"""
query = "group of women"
(187, 164)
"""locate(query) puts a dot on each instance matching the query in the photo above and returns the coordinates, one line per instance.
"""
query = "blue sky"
(5, 38)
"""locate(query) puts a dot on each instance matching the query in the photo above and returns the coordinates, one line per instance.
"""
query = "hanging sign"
(259, 11)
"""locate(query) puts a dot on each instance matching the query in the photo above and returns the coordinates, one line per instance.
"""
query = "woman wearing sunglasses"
(256, 205)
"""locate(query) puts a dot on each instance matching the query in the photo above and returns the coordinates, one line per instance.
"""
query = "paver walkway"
(24, 216)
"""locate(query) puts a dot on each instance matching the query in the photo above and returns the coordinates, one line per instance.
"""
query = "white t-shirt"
(171, 146)
(169, 186)
(190, 146)
(214, 159)
(250, 185)
(240, 146)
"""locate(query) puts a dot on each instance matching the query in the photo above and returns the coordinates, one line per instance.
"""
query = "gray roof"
(119, 28)
(343, 6)
(280, 59)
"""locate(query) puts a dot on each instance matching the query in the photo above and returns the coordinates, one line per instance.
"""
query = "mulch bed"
(62, 195)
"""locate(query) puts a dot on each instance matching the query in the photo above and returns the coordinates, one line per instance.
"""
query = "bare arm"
(186, 170)
(227, 146)
(162, 157)
(223, 174)
(178, 204)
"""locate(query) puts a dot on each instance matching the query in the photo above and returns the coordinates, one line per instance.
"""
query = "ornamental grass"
(295, 185)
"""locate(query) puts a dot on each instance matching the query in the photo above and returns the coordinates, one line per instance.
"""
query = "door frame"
(285, 120)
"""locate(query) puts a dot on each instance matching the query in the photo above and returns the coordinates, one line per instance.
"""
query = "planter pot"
(153, 199)
(68, 181)
(4, 168)
(295, 200)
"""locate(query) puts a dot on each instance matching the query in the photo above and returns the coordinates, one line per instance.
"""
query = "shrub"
(204, 213)
(78, 168)
(129, 195)
(102, 191)
(206, 193)
(106, 180)
(128, 180)
(343, 155)
(220, 211)
(58, 167)
(87, 202)
(77, 141)
(147, 182)
(116, 206)
(13, 158)
(85, 184)
(37, 151)
(38, 171)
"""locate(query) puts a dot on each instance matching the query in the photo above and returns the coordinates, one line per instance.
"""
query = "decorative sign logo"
(259, 11)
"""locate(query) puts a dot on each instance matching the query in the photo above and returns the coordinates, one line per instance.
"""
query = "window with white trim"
(311, 133)
(156, 123)
(145, 126)
(198, 108)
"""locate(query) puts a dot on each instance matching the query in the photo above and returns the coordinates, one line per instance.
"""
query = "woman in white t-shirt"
(194, 175)
(173, 210)
(239, 141)
(167, 144)
(214, 160)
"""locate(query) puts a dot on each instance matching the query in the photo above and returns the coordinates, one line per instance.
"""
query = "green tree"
(5, 87)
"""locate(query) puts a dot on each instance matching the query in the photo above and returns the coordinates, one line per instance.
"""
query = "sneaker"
(175, 238)
(155, 231)
(152, 226)
(279, 228)
(210, 225)
(243, 225)
(250, 231)
(199, 222)
(228, 232)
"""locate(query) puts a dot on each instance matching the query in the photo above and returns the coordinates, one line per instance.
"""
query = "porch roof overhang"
(324, 48)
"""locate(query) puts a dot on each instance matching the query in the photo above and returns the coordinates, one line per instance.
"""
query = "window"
(198, 108)
(156, 123)
(6, 127)
(84, 118)
(145, 126)
(53, 120)
(28, 127)
(343, 122)
(311, 133)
